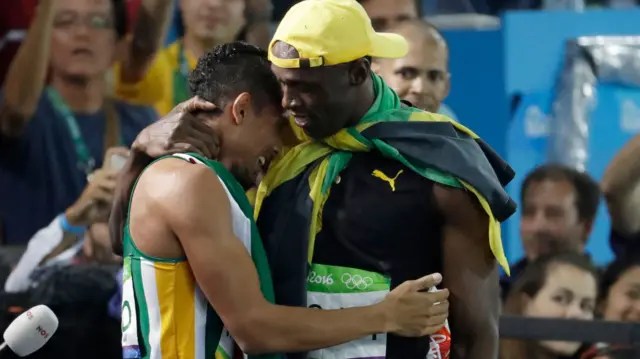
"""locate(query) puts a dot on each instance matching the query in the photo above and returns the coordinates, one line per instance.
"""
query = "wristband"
(67, 227)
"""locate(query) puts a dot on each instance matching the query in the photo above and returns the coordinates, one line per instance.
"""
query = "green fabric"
(387, 107)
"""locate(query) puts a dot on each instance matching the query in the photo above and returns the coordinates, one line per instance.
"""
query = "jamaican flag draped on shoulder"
(290, 199)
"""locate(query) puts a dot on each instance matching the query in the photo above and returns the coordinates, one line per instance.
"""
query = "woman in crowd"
(562, 286)
(619, 300)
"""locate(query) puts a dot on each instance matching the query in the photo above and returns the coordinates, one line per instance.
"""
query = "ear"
(375, 67)
(359, 71)
(240, 107)
(447, 84)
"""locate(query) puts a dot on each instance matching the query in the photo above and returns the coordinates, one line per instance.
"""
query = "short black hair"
(230, 69)
(586, 189)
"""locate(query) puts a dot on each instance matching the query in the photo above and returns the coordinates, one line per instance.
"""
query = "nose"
(419, 85)
(214, 3)
(290, 101)
(575, 311)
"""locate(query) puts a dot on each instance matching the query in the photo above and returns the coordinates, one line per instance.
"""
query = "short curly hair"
(230, 69)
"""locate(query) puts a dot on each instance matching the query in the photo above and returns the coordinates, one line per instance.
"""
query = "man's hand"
(95, 201)
(179, 131)
(414, 312)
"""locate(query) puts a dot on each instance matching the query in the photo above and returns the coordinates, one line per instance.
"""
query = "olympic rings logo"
(356, 281)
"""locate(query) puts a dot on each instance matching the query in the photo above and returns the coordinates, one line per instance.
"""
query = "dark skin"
(327, 100)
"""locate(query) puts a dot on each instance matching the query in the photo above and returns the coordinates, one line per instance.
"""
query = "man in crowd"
(559, 206)
(192, 212)
(421, 77)
(53, 138)
(387, 14)
(317, 209)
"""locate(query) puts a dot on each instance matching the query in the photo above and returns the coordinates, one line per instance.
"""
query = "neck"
(197, 46)
(80, 95)
(367, 97)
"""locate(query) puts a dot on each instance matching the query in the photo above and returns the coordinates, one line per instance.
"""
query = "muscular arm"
(471, 275)
(26, 76)
(621, 187)
(194, 204)
(148, 35)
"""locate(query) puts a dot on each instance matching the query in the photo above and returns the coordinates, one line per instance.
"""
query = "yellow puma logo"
(384, 177)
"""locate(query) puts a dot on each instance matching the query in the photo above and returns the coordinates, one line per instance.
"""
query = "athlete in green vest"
(196, 281)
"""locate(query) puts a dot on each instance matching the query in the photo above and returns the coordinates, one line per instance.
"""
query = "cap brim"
(388, 45)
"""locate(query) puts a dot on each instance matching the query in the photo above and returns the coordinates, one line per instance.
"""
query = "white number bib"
(130, 346)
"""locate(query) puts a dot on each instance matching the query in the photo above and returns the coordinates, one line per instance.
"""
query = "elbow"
(12, 122)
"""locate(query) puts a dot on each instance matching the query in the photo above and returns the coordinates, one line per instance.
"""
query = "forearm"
(27, 73)
(291, 329)
(620, 186)
(148, 36)
(624, 170)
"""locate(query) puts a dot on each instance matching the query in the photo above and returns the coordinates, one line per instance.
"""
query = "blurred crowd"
(81, 78)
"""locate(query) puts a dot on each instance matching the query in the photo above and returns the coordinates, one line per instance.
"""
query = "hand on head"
(179, 131)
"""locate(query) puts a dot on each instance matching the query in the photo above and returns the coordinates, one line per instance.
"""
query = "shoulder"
(175, 177)
(459, 207)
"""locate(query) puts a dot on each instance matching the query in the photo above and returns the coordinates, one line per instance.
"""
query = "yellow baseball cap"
(331, 32)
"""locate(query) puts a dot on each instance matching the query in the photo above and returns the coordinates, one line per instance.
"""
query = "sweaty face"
(550, 221)
(421, 77)
(83, 37)
(388, 13)
(213, 20)
(249, 146)
(568, 293)
(623, 299)
(317, 98)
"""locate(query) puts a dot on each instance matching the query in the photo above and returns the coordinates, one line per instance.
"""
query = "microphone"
(30, 331)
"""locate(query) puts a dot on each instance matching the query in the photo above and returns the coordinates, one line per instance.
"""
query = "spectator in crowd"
(206, 24)
(619, 299)
(558, 208)
(621, 188)
(561, 286)
(386, 14)
(53, 138)
(51, 248)
(422, 76)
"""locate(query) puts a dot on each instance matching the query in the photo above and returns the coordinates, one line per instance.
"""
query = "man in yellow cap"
(377, 190)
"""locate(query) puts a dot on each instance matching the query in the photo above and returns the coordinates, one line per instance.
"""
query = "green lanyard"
(86, 162)
(180, 78)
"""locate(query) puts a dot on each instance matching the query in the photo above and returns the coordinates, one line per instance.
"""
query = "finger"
(198, 104)
(102, 196)
(439, 296)
(206, 144)
(437, 320)
(431, 329)
(427, 281)
(441, 308)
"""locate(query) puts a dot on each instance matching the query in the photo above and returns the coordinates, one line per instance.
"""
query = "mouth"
(82, 52)
(301, 121)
